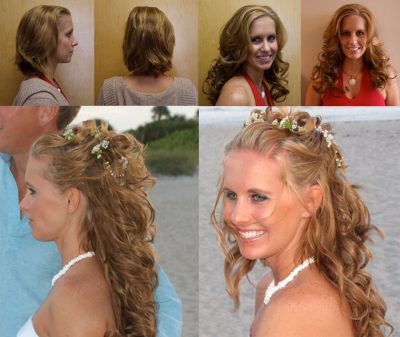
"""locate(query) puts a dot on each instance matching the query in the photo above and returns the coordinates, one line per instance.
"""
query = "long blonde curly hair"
(118, 224)
(234, 45)
(326, 73)
(336, 235)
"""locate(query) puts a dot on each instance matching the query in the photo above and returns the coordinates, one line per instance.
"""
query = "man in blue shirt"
(26, 265)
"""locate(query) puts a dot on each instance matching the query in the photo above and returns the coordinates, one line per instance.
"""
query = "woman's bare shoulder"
(310, 308)
(79, 306)
(235, 92)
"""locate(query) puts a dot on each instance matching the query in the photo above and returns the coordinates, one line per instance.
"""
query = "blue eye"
(359, 33)
(256, 40)
(258, 197)
(271, 38)
(345, 34)
(230, 195)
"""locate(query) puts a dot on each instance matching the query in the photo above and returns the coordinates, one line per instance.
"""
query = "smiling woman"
(250, 69)
(284, 199)
(44, 39)
(353, 67)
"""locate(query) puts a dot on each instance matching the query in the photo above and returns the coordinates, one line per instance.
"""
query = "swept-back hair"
(118, 224)
(234, 44)
(335, 235)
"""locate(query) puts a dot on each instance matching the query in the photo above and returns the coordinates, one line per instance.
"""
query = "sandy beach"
(176, 203)
(372, 153)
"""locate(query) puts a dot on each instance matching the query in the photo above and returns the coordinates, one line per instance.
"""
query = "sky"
(128, 117)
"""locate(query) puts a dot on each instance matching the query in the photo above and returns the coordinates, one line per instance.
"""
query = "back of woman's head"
(37, 38)
(109, 170)
(149, 42)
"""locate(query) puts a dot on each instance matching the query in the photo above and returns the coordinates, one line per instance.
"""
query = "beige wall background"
(214, 14)
(315, 18)
(110, 23)
(76, 77)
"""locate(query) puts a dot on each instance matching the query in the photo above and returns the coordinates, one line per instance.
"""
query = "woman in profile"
(286, 202)
(250, 69)
(86, 190)
(45, 38)
(148, 48)
(353, 67)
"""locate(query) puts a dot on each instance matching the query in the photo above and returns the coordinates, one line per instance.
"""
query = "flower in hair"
(255, 116)
(286, 123)
(327, 135)
(124, 162)
(96, 150)
(69, 134)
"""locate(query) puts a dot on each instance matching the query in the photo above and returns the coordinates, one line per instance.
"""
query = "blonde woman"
(148, 48)
(45, 38)
(250, 69)
(86, 191)
(285, 201)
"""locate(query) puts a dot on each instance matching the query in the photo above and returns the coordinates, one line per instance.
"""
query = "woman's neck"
(50, 70)
(353, 67)
(256, 76)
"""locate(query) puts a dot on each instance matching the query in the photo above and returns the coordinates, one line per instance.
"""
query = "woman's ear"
(313, 198)
(73, 199)
(47, 114)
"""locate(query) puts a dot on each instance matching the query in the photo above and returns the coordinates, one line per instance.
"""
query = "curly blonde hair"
(234, 44)
(335, 235)
(118, 224)
(326, 73)
(149, 42)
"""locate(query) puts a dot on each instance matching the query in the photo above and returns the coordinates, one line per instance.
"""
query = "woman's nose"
(24, 205)
(240, 213)
(75, 42)
(265, 45)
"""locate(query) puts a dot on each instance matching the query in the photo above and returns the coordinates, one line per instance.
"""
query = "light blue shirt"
(27, 267)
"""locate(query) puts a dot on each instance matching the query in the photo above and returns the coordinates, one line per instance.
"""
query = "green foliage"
(162, 128)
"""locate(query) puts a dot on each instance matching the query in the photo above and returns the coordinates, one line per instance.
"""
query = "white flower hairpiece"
(287, 123)
(96, 150)
(69, 134)
(255, 116)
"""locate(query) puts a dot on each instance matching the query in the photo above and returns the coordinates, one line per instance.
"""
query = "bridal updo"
(108, 168)
(336, 233)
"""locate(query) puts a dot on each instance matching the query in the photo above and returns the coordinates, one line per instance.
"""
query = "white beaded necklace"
(272, 289)
(70, 264)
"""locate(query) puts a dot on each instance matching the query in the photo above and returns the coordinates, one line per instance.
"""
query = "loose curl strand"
(234, 44)
(331, 59)
(118, 224)
(336, 234)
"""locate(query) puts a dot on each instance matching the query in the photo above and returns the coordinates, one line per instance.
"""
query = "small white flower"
(124, 162)
(96, 149)
(69, 134)
(104, 143)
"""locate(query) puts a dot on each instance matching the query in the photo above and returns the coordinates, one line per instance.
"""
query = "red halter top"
(256, 92)
(368, 94)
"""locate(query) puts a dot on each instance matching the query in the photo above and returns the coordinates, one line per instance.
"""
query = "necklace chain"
(272, 289)
(70, 264)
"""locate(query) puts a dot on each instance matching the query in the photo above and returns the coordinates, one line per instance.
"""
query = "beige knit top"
(115, 92)
(35, 91)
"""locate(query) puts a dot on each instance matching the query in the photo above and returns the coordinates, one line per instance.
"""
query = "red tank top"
(256, 92)
(368, 94)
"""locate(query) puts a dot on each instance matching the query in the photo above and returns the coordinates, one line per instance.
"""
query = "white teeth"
(251, 234)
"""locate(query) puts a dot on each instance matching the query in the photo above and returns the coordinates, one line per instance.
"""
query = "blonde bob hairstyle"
(337, 232)
(149, 42)
(234, 45)
(326, 73)
(118, 223)
(37, 38)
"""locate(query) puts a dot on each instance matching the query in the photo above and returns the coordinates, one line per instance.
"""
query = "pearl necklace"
(272, 289)
(70, 264)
